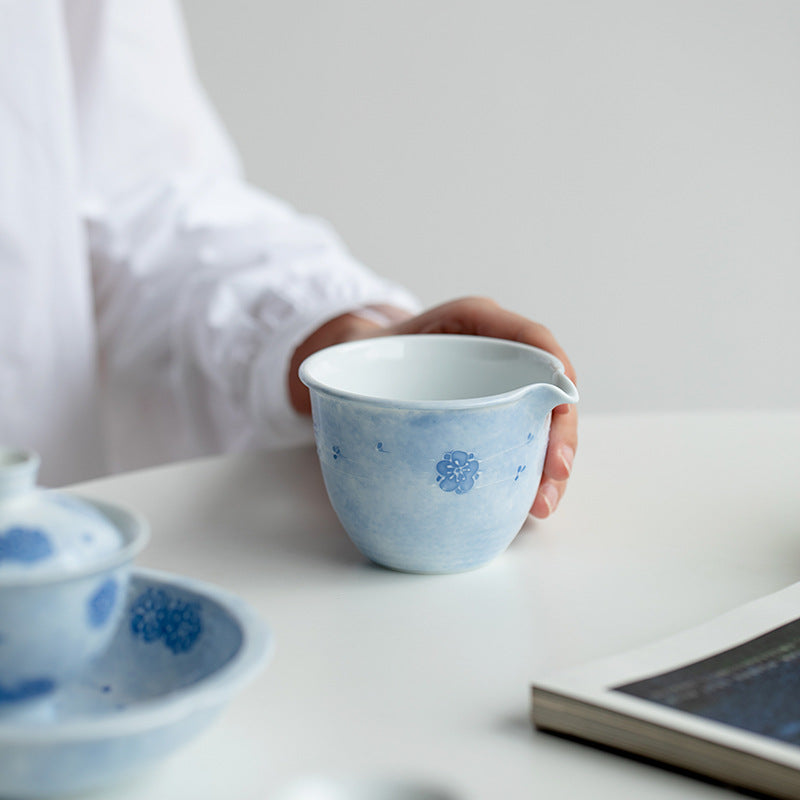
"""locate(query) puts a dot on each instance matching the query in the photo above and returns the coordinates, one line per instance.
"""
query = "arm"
(209, 293)
(204, 286)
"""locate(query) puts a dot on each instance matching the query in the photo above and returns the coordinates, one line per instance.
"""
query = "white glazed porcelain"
(64, 568)
(46, 531)
(432, 447)
(182, 649)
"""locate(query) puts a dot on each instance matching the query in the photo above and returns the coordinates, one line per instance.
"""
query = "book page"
(754, 686)
(722, 681)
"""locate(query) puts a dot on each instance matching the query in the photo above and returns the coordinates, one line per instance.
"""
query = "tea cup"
(432, 446)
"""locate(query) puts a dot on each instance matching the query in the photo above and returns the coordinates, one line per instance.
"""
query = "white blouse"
(150, 300)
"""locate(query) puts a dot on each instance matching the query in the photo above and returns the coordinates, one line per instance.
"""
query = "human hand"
(475, 316)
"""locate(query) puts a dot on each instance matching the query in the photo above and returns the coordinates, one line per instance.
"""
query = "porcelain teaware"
(182, 650)
(64, 568)
(432, 446)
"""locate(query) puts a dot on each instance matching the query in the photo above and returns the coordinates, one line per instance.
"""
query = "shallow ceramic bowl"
(432, 447)
(56, 617)
(182, 650)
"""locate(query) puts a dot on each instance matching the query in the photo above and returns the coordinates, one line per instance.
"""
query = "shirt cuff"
(277, 423)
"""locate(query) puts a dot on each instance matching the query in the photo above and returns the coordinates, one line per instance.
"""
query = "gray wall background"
(626, 172)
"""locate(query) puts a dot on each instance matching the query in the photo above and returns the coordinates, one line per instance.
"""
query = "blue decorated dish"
(432, 446)
(64, 569)
(182, 650)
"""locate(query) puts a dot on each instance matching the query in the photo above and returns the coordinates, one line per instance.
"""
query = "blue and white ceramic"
(46, 531)
(182, 650)
(64, 568)
(432, 446)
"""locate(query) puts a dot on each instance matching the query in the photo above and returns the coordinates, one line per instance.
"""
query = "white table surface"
(668, 520)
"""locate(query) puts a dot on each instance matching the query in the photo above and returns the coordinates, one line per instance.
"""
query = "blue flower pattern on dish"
(156, 615)
(25, 545)
(458, 471)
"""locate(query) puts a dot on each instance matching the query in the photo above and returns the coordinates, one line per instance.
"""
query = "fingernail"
(567, 455)
(550, 495)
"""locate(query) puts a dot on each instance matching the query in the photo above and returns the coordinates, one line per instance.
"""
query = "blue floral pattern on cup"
(26, 690)
(24, 544)
(156, 615)
(458, 471)
(101, 603)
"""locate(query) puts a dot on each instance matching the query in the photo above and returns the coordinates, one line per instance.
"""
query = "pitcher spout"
(557, 391)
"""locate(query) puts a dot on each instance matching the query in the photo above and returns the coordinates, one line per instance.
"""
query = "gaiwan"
(65, 563)
(45, 531)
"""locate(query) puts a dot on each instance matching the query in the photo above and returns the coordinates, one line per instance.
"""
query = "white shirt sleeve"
(204, 285)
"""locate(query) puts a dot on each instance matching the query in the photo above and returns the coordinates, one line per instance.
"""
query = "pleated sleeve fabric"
(204, 285)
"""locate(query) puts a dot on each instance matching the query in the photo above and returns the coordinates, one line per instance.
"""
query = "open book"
(721, 700)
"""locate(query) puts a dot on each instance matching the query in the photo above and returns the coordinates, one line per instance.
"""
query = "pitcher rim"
(557, 381)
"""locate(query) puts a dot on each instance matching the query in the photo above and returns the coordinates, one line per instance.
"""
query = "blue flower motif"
(101, 603)
(26, 690)
(458, 471)
(148, 614)
(182, 626)
(155, 615)
(24, 544)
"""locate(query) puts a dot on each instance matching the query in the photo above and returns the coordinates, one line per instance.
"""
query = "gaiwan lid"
(44, 529)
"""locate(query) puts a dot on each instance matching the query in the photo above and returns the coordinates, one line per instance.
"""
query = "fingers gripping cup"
(432, 446)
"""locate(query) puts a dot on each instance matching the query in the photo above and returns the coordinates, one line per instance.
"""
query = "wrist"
(344, 328)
